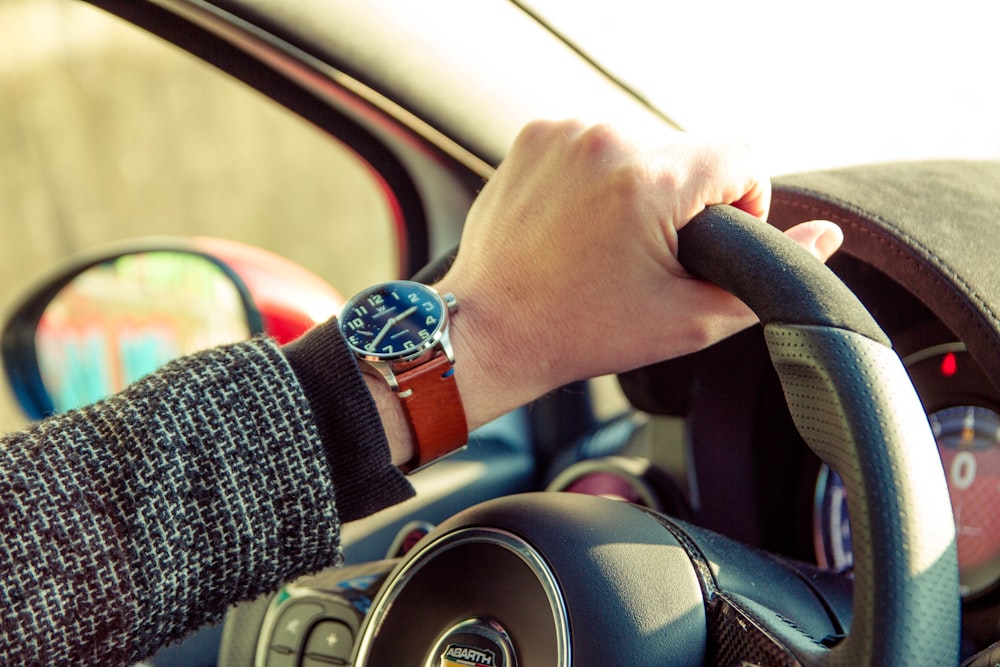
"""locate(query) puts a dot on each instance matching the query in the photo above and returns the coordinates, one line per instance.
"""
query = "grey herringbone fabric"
(127, 524)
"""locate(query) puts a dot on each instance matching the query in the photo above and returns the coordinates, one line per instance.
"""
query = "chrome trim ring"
(424, 555)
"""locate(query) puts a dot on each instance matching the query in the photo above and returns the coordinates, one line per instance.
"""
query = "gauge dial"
(968, 441)
(832, 528)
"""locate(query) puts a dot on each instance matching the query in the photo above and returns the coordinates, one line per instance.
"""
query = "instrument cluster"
(964, 415)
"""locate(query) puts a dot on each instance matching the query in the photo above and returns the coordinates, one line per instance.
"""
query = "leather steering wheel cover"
(856, 408)
(770, 273)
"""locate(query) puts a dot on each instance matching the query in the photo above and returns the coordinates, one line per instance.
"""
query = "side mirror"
(105, 320)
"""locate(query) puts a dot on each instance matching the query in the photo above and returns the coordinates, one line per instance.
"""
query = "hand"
(568, 265)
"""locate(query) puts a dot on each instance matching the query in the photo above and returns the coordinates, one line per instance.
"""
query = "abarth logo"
(457, 655)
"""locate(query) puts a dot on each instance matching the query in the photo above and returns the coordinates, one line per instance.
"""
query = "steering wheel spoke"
(740, 636)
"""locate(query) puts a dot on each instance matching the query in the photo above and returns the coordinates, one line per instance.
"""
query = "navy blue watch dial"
(395, 320)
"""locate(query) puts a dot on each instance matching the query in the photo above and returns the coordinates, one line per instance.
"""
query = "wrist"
(486, 384)
(494, 373)
(348, 423)
(394, 422)
(400, 332)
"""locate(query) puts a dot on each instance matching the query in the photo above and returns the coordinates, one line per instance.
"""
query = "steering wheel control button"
(329, 643)
(280, 656)
(293, 624)
(475, 642)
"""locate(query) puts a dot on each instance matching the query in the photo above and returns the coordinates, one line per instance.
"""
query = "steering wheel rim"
(854, 405)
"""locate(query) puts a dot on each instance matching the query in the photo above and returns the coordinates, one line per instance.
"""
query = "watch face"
(395, 320)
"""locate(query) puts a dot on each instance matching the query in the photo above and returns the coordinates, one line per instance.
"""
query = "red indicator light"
(949, 365)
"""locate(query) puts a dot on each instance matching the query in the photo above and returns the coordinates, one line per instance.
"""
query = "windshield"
(811, 85)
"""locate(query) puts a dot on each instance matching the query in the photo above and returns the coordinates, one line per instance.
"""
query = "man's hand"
(568, 265)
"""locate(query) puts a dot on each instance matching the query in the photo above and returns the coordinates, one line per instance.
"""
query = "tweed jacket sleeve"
(129, 523)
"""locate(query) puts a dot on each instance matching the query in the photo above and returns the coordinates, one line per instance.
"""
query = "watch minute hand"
(392, 321)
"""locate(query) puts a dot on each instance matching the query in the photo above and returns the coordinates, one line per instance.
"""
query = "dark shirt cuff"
(349, 424)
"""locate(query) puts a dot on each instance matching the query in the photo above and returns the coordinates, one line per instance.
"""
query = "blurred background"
(809, 84)
(107, 133)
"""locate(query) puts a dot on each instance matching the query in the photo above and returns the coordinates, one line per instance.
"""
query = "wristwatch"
(399, 331)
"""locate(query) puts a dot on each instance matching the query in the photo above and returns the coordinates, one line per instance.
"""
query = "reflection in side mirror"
(105, 319)
(121, 319)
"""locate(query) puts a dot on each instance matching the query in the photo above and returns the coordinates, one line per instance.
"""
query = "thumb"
(821, 238)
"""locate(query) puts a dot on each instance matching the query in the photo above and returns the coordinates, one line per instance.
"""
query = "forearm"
(129, 523)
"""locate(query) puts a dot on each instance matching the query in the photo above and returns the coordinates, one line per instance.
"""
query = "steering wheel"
(565, 579)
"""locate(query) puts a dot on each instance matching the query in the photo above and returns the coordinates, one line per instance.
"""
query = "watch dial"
(393, 320)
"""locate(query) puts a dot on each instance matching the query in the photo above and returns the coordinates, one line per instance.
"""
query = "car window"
(109, 133)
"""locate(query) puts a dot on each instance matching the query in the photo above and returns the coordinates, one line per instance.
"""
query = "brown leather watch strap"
(434, 407)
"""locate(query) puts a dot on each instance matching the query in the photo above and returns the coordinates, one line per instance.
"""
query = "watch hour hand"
(383, 331)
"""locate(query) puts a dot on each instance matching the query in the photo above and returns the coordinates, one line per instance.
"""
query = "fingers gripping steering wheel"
(559, 580)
